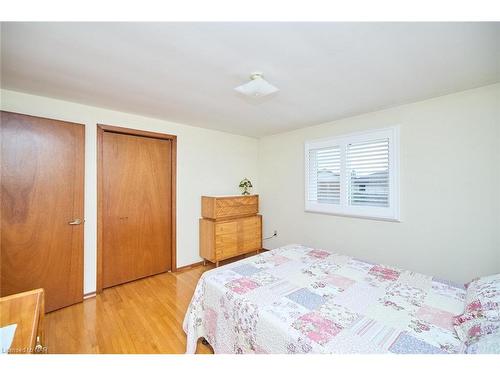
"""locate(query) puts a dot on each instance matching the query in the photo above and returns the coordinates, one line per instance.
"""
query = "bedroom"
(250, 187)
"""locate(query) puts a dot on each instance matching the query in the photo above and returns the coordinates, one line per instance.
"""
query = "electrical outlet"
(275, 234)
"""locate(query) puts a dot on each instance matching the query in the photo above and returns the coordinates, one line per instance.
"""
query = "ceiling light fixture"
(257, 87)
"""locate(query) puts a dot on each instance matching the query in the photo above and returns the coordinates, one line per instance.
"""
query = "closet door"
(42, 164)
(137, 207)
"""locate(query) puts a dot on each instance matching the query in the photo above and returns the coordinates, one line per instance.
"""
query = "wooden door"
(42, 208)
(137, 207)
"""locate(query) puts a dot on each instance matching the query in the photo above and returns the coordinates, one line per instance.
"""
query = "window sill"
(354, 216)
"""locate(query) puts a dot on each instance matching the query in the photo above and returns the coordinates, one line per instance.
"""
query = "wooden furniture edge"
(37, 337)
(22, 294)
(39, 346)
(229, 196)
(229, 218)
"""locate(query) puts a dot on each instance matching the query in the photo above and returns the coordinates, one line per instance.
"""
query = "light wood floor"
(143, 316)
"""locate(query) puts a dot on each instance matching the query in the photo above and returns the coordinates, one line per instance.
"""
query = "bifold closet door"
(137, 207)
(41, 245)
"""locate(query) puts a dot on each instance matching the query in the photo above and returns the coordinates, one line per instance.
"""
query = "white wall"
(450, 178)
(450, 188)
(208, 162)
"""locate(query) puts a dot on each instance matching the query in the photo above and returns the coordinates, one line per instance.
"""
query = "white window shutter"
(354, 175)
(368, 173)
(324, 175)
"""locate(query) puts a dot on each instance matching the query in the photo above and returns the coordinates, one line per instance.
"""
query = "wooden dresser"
(27, 311)
(230, 226)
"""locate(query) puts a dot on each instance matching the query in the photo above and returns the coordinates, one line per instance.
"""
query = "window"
(354, 175)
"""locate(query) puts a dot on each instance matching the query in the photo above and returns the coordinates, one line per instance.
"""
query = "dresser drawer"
(226, 245)
(226, 207)
(228, 227)
(238, 236)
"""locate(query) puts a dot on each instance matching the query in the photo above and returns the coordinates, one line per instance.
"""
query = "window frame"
(391, 213)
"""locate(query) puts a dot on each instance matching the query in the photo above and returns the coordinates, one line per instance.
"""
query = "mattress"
(297, 299)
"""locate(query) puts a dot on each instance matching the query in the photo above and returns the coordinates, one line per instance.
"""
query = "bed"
(296, 299)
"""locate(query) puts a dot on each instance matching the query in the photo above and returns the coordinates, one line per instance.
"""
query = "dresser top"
(229, 196)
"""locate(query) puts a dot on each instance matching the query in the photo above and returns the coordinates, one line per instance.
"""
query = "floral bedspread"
(297, 299)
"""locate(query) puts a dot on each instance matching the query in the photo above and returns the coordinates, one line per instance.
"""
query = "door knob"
(75, 222)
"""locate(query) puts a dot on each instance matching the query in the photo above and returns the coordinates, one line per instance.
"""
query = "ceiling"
(186, 72)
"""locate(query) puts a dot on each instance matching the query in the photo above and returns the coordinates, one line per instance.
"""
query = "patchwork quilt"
(297, 299)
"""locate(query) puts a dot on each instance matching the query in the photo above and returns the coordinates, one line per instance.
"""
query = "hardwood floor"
(143, 316)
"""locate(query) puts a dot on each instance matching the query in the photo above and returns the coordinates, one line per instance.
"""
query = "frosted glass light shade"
(257, 87)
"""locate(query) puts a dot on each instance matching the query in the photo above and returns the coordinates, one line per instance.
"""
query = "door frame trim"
(101, 129)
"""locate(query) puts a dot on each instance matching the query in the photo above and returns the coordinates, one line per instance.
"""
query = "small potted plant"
(245, 186)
